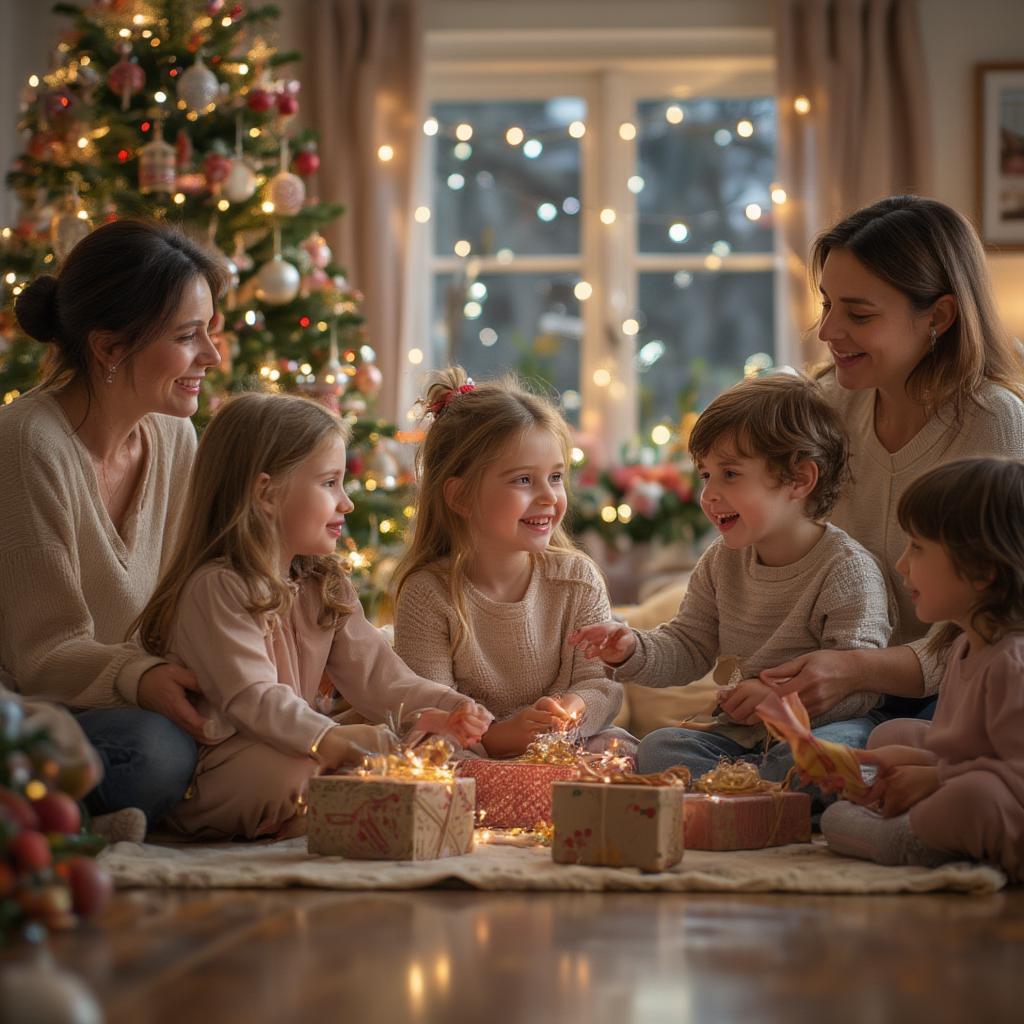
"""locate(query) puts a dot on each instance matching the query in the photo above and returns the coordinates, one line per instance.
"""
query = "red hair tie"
(436, 408)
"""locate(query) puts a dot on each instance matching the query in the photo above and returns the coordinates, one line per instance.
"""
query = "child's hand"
(467, 723)
(612, 642)
(511, 737)
(740, 702)
(887, 758)
(905, 785)
(345, 746)
(568, 708)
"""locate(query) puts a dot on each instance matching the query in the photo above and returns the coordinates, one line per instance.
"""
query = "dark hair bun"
(36, 309)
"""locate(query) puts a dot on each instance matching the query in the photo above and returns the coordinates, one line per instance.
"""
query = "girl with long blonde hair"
(257, 604)
(492, 586)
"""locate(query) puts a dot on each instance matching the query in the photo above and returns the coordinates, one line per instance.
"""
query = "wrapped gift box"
(378, 818)
(618, 825)
(513, 794)
(746, 821)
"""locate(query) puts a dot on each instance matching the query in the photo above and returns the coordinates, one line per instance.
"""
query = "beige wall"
(957, 35)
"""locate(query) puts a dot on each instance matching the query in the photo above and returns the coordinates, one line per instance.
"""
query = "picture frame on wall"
(1000, 90)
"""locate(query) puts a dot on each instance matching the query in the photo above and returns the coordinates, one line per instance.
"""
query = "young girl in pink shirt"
(953, 788)
(258, 605)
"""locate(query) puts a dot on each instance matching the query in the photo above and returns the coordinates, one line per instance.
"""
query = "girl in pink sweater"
(953, 788)
(258, 605)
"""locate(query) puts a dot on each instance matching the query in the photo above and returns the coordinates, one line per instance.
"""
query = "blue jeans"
(701, 751)
(148, 761)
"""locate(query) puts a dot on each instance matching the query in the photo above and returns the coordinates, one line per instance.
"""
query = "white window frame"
(611, 72)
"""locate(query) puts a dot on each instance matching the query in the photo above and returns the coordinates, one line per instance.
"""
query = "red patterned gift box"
(618, 825)
(378, 818)
(746, 821)
(513, 794)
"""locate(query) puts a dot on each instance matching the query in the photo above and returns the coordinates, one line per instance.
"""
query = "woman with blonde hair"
(492, 587)
(923, 373)
(257, 603)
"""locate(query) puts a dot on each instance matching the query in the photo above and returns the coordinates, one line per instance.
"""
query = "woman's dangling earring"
(933, 337)
(114, 366)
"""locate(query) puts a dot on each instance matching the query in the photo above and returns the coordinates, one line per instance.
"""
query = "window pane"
(705, 179)
(529, 323)
(494, 195)
(701, 329)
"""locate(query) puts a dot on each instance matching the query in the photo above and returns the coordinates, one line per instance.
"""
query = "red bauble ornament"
(30, 851)
(90, 886)
(260, 100)
(354, 464)
(307, 162)
(58, 813)
(287, 104)
(216, 167)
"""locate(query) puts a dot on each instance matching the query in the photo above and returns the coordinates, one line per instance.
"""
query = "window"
(610, 230)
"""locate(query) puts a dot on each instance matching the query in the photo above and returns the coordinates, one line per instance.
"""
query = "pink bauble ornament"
(125, 79)
(318, 251)
(216, 167)
(277, 282)
(368, 379)
(198, 87)
(287, 192)
(314, 281)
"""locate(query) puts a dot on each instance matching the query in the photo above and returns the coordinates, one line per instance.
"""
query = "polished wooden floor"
(572, 958)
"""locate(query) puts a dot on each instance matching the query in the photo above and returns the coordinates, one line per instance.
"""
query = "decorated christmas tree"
(184, 111)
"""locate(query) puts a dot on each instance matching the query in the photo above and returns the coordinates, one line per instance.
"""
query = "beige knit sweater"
(515, 653)
(834, 597)
(70, 585)
(867, 509)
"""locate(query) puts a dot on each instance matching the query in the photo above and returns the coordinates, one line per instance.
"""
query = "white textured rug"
(801, 868)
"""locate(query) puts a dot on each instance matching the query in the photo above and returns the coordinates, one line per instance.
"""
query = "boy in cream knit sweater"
(778, 581)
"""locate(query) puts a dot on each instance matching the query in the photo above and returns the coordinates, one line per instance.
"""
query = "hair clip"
(436, 408)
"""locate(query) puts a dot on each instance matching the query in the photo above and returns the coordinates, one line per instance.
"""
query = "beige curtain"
(363, 78)
(853, 122)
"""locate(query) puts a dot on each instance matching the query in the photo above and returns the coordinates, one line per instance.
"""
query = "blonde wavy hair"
(471, 430)
(249, 435)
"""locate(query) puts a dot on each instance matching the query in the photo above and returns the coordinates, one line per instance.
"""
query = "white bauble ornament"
(198, 86)
(277, 282)
(240, 184)
(46, 995)
(287, 192)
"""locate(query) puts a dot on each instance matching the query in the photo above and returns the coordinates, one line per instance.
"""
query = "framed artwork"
(1001, 154)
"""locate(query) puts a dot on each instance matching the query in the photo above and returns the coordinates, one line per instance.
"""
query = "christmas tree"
(183, 110)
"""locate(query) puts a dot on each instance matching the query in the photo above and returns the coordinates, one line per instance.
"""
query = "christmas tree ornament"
(260, 100)
(216, 167)
(287, 104)
(69, 225)
(285, 190)
(307, 162)
(240, 257)
(368, 379)
(214, 7)
(277, 281)
(126, 77)
(240, 183)
(318, 251)
(157, 173)
(198, 87)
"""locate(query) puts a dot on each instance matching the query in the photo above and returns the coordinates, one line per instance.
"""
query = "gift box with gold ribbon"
(733, 808)
(517, 793)
(620, 820)
(405, 806)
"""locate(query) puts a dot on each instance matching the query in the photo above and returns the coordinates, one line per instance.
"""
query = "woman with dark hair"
(96, 461)
(923, 373)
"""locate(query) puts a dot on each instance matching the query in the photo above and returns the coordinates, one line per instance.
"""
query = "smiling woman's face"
(875, 335)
